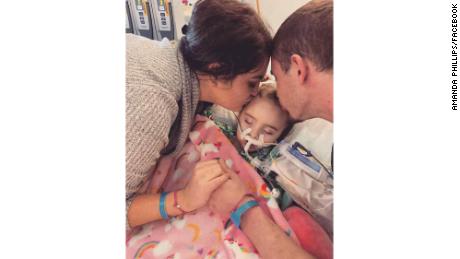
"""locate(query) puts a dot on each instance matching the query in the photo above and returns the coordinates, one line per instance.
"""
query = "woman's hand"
(226, 197)
(207, 176)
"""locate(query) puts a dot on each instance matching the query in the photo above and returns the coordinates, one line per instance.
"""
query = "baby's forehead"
(265, 108)
(262, 102)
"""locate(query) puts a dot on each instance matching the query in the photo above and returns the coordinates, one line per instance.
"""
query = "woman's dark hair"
(227, 33)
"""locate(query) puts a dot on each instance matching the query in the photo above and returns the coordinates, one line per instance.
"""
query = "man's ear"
(300, 68)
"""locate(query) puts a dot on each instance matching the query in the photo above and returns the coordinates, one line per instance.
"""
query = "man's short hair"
(308, 33)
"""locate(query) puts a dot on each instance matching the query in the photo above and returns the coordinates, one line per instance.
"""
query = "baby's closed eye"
(248, 121)
(269, 132)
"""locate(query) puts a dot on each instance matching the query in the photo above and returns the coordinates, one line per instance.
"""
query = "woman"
(221, 59)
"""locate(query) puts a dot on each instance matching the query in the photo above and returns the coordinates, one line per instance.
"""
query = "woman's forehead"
(259, 71)
(256, 74)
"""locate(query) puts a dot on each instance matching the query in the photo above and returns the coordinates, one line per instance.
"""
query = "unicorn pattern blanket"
(201, 234)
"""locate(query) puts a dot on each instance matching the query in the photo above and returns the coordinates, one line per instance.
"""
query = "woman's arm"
(207, 176)
(146, 208)
(149, 116)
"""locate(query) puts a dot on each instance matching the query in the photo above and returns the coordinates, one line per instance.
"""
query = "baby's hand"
(225, 198)
(207, 176)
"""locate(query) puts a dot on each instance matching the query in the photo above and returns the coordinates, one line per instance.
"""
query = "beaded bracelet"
(176, 204)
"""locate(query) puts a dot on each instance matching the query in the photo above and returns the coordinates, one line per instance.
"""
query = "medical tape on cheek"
(252, 141)
(249, 140)
(244, 133)
(256, 142)
(247, 146)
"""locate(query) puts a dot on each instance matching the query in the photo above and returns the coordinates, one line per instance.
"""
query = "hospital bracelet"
(242, 199)
(163, 213)
(236, 215)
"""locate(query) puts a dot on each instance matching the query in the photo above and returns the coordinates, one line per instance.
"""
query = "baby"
(260, 125)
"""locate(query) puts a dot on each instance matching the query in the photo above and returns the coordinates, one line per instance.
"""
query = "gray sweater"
(161, 99)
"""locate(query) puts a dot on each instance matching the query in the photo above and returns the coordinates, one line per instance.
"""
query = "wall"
(274, 12)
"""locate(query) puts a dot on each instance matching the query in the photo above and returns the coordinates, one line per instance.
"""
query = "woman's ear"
(299, 68)
(209, 79)
(213, 79)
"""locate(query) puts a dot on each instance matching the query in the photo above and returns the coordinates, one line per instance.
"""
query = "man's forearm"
(268, 238)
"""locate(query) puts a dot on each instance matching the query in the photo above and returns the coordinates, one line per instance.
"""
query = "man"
(305, 77)
(302, 65)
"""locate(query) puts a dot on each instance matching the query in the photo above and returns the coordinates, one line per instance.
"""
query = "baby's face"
(263, 116)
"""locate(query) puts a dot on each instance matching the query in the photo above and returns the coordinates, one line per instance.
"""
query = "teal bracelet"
(236, 215)
(163, 213)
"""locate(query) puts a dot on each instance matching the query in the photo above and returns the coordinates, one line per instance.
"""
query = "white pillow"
(317, 136)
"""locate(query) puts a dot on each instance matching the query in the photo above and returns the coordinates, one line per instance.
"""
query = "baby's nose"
(254, 134)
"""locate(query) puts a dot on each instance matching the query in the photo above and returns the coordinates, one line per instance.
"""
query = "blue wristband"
(236, 215)
(163, 213)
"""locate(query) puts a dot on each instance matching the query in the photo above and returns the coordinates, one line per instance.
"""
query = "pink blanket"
(201, 234)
